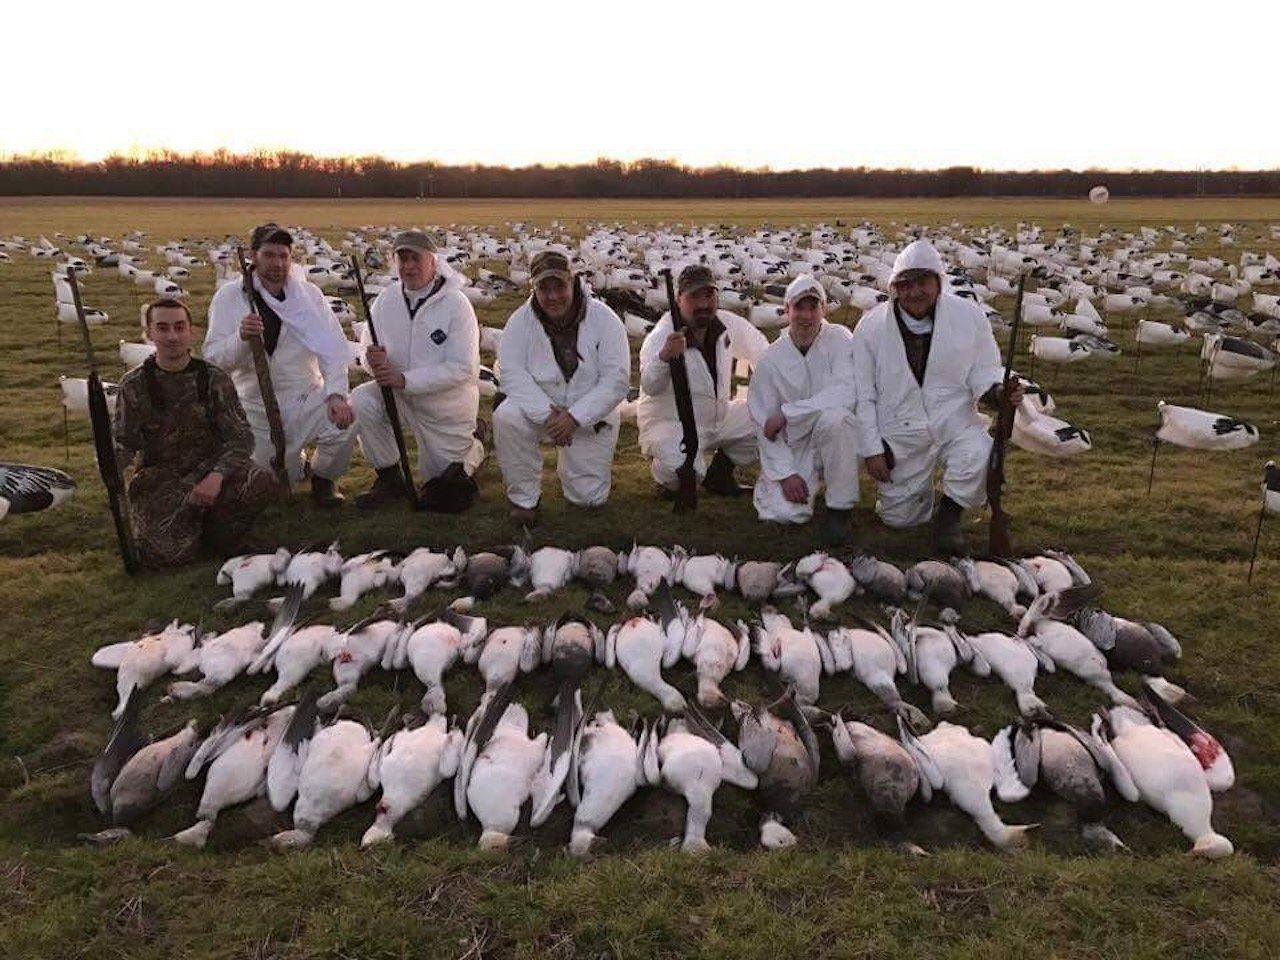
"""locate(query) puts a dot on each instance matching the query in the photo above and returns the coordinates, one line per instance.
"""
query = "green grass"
(1179, 557)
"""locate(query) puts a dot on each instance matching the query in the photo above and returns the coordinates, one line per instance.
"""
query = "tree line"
(290, 174)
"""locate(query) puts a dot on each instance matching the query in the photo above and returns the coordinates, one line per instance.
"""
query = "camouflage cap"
(694, 277)
(413, 240)
(270, 233)
(549, 263)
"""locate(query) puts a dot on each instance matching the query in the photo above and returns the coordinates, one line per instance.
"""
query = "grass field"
(1179, 556)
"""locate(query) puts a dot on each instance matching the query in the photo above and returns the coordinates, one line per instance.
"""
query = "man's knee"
(366, 401)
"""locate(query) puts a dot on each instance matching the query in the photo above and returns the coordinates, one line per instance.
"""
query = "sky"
(998, 85)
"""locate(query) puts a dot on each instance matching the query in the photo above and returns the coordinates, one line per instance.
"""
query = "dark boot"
(720, 480)
(948, 538)
(388, 486)
(835, 527)
(324, 493)
(453, 491)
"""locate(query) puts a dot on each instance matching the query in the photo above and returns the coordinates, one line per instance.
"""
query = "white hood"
(917, 255)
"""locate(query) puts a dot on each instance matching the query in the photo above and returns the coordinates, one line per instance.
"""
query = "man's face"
(699, 306)
(417, 268)
(917, 291)
(555, 296)
(805, 319)
(170, 330)
(271, 261)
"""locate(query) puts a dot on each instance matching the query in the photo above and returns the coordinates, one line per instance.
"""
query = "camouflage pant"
(170, 532)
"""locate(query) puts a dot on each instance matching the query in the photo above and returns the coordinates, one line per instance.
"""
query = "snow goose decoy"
(1198, 430)
(1270, 505)
(1046, 435)
(27, 489)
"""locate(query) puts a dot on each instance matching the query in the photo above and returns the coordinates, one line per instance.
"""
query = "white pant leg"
(736, 435)
(768, 499)
(439, 443)
(307, 422)
(373, 426)
(585, 466)
(964, 458)
(834, 442)
(517, 442)
(662, 447)
(907, 499)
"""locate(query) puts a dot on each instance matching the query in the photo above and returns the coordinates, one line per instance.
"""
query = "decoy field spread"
(629, 732)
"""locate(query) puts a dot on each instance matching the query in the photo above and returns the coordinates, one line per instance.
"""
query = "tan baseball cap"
(413, 240)
(549, 263)
(694, 277)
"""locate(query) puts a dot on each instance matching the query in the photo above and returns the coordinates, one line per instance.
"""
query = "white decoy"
(1270, 506)
(424, 568)
(715, 652)
(875, 660)
(829, 579)
(1046, 435)
(608, 766)
(649, 566)
(75, 395)
(642, 648)
(1013, 660)
(1153, 333)
(1067, 647)
(796, 656)
(499, 766)
(92, 316)
(135, 354)
(1166, 774)
(1201, 430)
(693, 760)
(409, 766)
(430, 649)
(490, 338)
(248, 574)
(139, 663)
(337, 774)
(236, 753)
(1058, 349)
(967, 767)
(25, 488)
(362, 573)
(1234, 358)
(550, 568)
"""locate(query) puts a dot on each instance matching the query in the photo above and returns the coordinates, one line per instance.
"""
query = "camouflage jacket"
(188, 423)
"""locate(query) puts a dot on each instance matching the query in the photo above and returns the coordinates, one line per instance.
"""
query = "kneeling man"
(564, 365)
(717, 338)
(801, 401)
(922, 361)
(197, 484)
(430, 359)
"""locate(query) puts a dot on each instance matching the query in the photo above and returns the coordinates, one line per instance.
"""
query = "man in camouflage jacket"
(196, 484)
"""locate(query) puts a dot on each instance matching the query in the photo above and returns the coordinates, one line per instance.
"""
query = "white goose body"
(875, 660)
(139, 663)
(550, 569)
(502, 777)
(829, 579)
(312, 569)
(936, 656)
(505, 654)
(1169, 778)
(1013, 661)
(336, 776)
(704, 575)
(249, 574)
(354, 654)
(715, 653)
(422, 570)
(649, 566)
(642, 648)
(221, 659)
(994, 581)
(967, 765)
(609, 770)
(431, 650)
(297, 656)
(410, 765)
(794, 655)
(693, 767)
(1072, 651)
(362, 573)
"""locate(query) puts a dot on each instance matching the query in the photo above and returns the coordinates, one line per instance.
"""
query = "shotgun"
(388, 395)
(998, 544)
(261, 366)
(104, 441)
(686, 475)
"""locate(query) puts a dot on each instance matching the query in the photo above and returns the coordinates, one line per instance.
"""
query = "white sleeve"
(460, 363)
(777, 462)
(614, 365)
(747, 342)
(222, 344)
(513, 361)
(986, 370)
(655, 374)
(870, 442)
(333, 370)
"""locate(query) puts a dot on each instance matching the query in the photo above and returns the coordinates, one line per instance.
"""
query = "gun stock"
(686, 475)
(262, 368)
(388, 395)
(104, 441)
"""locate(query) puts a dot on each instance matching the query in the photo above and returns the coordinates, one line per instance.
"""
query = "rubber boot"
(388, 486)
(720, 480)
(835, 527)
(948, 538)
(324, 493)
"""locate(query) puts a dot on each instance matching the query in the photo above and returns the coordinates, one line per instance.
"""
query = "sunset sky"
(997, 85)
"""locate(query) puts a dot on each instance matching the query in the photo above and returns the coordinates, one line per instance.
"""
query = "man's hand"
(795, 489)
(878, 467)
(1017, 389)
(561, 426)
(340, 413)
(383, 370)
(674, 347)
(251, 326)
(774, 426)
(206, 492)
